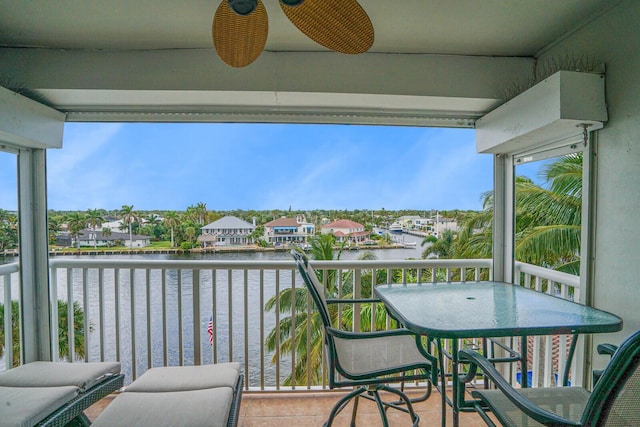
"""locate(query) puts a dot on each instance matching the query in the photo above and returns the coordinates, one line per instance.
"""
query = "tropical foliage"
(94, 220)
(129, 217)
(301, 326)
(63, 336)
(8, 230)
(548, 220)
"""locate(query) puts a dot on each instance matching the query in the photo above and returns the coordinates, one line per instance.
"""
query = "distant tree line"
(182, 228)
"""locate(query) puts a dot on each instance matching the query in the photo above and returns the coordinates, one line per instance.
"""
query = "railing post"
(197, 342)
(503, 218)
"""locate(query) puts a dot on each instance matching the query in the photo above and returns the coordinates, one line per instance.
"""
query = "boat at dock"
(395, 228)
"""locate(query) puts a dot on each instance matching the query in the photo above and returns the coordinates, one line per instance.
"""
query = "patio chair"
(55, 393)
(607, 350)
(614, 402)
(368, 361)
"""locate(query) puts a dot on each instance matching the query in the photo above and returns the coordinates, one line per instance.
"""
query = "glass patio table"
(456, 310)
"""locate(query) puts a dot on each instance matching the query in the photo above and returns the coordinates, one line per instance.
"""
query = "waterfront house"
(288, 230)
(414, 222)
(114, 224)
(228, 230)
(483, 67)
(440, 224)
(345, 229)
(98, 238)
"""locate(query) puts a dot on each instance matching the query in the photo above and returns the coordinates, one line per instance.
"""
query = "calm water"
(170, 311)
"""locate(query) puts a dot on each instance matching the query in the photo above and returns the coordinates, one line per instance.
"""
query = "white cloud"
(76, 177)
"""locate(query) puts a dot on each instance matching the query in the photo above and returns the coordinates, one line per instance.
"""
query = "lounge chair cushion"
(27, 406)
(55, 374)
(182, 378)
(206, 407)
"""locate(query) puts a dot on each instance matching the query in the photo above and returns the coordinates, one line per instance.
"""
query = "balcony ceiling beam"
(193, 85)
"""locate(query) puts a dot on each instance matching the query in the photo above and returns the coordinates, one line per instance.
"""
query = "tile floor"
(310, 409)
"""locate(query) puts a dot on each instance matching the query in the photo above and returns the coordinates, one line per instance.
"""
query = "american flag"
(210, 330)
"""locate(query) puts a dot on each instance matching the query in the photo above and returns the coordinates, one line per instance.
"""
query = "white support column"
(582, 374)
(30, 128)
(34, 255)
(503, 218)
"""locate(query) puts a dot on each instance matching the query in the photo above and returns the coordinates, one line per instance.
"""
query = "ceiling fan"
(240, 27)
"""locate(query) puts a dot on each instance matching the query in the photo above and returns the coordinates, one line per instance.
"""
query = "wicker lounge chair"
(614, 402)
(205, 395)
(54, 393)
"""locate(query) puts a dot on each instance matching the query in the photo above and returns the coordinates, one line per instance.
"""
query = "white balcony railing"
(149, 313)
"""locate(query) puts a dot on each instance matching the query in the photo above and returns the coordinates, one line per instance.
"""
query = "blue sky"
(260, 166)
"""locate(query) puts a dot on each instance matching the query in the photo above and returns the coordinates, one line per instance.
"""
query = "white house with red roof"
(288, 230)
(346, 229)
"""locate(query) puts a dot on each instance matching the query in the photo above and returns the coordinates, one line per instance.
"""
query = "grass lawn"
(162, 244)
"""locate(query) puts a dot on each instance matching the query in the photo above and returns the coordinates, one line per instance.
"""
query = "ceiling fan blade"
(238, 39)
(340, 25)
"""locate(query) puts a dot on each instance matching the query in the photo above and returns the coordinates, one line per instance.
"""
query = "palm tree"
(76, 222)
(152, 219)
(294, 306)
(63, 336)
(197, 213)
(129, 216)
(106, 232)
(190, 232)
(257, 234)
(548, 221)
(172, 220)
(201, 211)
(94, 219)
(53, 226)
(442, 247)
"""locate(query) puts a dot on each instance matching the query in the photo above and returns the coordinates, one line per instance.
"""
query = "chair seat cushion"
(568, 402)
(56, 374)
(182, 378)
(206, 407)
(27, 406)
(390, 354)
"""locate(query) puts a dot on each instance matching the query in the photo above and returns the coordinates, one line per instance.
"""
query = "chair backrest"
(313, 285)
(615, 401)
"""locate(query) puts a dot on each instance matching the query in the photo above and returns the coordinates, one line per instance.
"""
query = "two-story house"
(228, 230)
(288, 230)
(345, 229)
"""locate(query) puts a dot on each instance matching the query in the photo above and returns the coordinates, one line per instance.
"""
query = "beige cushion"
(207, 407)
(55, 374)
(181, 378)
(27, 406)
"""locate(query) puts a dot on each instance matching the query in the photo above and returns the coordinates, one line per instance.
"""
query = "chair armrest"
(607, 349)
(525, 405)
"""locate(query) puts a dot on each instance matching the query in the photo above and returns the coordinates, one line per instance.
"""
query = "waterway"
(171, 313)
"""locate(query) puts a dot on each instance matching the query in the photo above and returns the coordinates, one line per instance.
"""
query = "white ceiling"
(455, 27)
(450, 57)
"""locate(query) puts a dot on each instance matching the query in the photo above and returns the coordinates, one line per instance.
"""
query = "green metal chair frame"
(615, 400)
(366, 384)
(74, 409)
